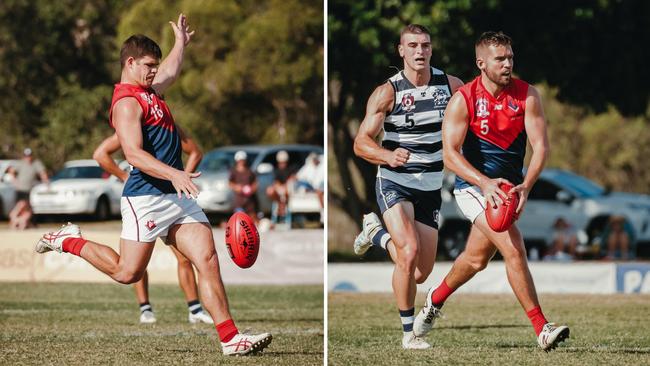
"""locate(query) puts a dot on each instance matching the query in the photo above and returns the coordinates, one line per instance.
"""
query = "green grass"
(364, 329)
(84, 324)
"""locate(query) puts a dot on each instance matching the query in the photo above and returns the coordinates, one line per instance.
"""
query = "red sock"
(441, 294)
(74, 245)
(537, 318)
(227, 330)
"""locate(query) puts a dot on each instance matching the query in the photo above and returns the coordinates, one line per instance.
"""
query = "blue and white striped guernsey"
(415, 124)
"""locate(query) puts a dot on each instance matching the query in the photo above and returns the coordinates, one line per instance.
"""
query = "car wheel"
(102, 210)
(453, 238)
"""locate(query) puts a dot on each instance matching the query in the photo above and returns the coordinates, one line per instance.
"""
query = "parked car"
(81, 187)
(215, 195)
(557, 193)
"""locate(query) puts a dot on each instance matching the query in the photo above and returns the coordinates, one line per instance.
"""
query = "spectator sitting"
(564, 242)
(311, 178)
(243, 182)
(278, 191)
(28, 171)
(20, 217)
(618, 238)
(9, 175)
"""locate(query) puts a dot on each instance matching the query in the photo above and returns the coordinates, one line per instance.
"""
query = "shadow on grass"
(484, 326)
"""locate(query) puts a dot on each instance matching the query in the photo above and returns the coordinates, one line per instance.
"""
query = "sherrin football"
(501, 218)
(242, 240)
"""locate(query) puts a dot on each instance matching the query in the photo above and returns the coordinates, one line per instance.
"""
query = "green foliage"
(252, 73)
(589, 56)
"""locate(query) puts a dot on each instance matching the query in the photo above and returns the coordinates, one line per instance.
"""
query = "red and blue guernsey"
(495, 143)
(160, 138)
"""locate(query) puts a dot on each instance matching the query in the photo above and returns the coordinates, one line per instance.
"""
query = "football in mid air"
(242, 240)
(501, 218)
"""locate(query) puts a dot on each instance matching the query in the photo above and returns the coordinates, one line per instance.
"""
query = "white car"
(81, 187)
(557, 193)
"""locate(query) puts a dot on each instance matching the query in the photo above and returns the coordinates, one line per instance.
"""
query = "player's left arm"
(192, 149)
(535, 124)
(170, 67)
(454, 83)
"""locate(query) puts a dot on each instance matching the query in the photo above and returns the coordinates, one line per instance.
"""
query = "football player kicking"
(185, 271)
(409, 107)
(152, 201)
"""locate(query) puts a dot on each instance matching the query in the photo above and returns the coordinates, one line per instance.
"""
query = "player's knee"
(129, 277)
(421, 276)
(478, 264)
(408, 257)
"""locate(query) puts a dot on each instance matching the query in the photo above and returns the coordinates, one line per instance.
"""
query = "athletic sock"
(194, 306)
(145, 306)
(407, 317)
(381, 238)
(441, 294)
(537, 318)
(73, 245)
(227, 330)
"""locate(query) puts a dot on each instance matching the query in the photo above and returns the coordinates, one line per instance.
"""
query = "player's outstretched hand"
(182, 29)
(493, 194)
(182, 182)
(398, 157)
(523, 196)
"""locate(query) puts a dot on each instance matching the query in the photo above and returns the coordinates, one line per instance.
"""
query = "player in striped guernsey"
(485, 130)
(409, 107)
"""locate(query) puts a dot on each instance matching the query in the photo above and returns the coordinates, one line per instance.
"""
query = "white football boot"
(244, 344)
(363, 241)
(200, 317)
(147, 317)
(54, 240)
(410, 341)
(426, 318)
(551, 336)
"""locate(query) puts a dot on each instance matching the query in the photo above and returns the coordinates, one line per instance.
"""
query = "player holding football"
(186, 276)
(157, 200)
(409, 107)
(484, 139)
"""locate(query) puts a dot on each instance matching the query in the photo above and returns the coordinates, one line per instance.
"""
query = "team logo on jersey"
(440, 97)
(436, 216)
(147, 98)
(390, 196)
(151, 225)
(513, 106)
(408, 102)
(482, 108)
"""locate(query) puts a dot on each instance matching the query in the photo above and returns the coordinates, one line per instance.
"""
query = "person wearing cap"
(243, 183)
(28, 172)
(282, 175)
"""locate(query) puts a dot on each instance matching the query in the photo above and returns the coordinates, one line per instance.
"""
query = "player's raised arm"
(126, 119)
(535, 124)
(454, 130)
(170, 67)
(103, 154)
(379, 104)
(191, 148)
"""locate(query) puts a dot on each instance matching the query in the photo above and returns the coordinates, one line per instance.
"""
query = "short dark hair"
(138, 46)
(493, 39)
(414, 29)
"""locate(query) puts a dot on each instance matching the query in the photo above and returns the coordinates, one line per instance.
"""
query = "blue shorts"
(426, 204)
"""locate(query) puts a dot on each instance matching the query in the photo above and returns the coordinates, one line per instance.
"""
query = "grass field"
(85, 324)
(364, 329)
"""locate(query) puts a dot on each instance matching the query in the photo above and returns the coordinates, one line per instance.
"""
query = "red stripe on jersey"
(154, 109)
(497, 120)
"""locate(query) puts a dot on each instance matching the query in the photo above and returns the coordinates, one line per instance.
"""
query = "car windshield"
(222, 161)
(80, 172)
(580, 185)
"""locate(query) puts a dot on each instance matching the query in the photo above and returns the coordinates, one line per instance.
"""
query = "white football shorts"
(471, 202)
(145, 218)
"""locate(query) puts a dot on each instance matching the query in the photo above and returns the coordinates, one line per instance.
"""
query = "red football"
(501, 218)
(242, 240)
